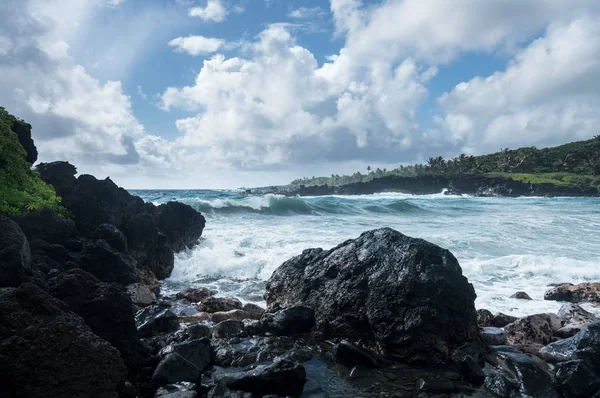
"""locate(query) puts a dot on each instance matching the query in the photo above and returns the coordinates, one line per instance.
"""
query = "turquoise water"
(504, 245)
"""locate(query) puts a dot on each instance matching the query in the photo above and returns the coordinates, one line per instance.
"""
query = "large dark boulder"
(111, 234)
(47, 226)
(106, 264)
(582, 293)
(577, 379)
(181, 224)
(23, 131)
(61, 175)
(106, 309)
(407, 294)
(584, 345)
(288, 321)
(15, 254)
(48, 351)
(155, 320)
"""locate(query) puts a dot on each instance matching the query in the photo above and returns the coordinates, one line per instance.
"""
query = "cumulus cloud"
(308, 13)
(214, 11)
(548, 94)
(197, 45)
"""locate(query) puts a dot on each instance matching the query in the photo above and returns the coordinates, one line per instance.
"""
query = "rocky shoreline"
(475, 185)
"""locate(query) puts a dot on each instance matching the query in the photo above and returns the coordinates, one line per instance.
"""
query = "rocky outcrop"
(15, 254)
(582, 293)
(47, 226)
(181, 224)
(406, 294)
(155, 320)
(48, 351)
(23, 131)
(574, 318)
(106, 264)
(533, 329)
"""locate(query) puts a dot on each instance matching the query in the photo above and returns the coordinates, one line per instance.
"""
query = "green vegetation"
(573, 164)
(21, 189)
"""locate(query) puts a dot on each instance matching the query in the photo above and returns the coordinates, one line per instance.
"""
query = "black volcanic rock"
(106, 309)
(61, 175)
(47, 226)
(15, 254)
(106, 264)
(48, 351)
(181, 224)
(111, 234)
(23, 131)
(407, 294)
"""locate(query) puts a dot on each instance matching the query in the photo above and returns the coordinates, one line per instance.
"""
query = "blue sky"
(224, 93)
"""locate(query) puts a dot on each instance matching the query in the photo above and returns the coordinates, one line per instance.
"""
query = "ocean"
(504, 245)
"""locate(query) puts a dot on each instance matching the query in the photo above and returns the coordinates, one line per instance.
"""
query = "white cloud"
(549, 94)
(141, 93)
(197, 45)
(213, 12)
(308, 13)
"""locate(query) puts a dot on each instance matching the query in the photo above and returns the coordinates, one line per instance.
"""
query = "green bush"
(21, 189)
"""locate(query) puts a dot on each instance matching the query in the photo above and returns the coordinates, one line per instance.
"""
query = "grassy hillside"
(21, 189)
(572, 164)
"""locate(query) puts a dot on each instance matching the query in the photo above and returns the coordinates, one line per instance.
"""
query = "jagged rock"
(484, 318)
(582, 293)
(106, 309)
(111, 234)
(575, 317)
(100, 260)
(288, 321)
(584, 345)
(47, 226)
(236, 315)
(148, 278)
(436, 386)
(501, 320)
(281, 378)
(359, 372)
(155, 320)
(15, 254)
(519, 374)
(407, 294)
(61, 175)
(194, 332)
(577, 379)
(469, 350)
(493, 336)
(220, 391)
(242, 352)
(177, 390)
(140, 294)
(533, 329)
(227, 329)
(219, 304)
(181, 224)
(253, 311)
(471, 370)
(48, 351)
(253, 327)
(195, 295)
(173, 369)
(521, 296)
(351, 355)
(198, 352)
(23, 131)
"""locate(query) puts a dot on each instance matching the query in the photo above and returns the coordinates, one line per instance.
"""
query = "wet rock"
(407, 294)
(253, 327)
(577, 379)
(484, 318)
(15, 254)
(181, 224)
(469, 350)
(228, 329)
(173, 369)
(111, 234)
(47, 226)
(289, 321)
(471, 370)
(351, 355)
(155, 320)
(359, 372)
(219, 304)
(493, 336)
(195, 295)
(584, 345)
(148, 278)
(575, 317)
(533, 329)
(520, 373)
(220, 391)
(178, 390)
(140, 294)
(198, 352)
(236, 315)
(501, 320)
(253, 311)
(582, 293)
(242, 352)
(280, 378)
(48, 351)
(106, 264)
(436, 386)
(194, 332)
(521, 296)
(106, 309)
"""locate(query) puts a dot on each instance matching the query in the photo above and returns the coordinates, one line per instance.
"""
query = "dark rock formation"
(219, 304)
(155, 320)
(61, 175)
(281, 378)
(288, 321)
(181, 224)
(106, 309)
(254, 311)
(533, 329)
(351, 355)
(575, 319)
(106, 264)
(577, 379)
(484, 317)
(47, 226)
(228, 329)
(199, 352)
(140, 294)
(501, 320)
(194, 295)
(15, 254)
(521, 296)
(407, 294)
(582, 293)
(173, 369)
(111, 234)
(23, 131)
(48, 351)
(584, 345)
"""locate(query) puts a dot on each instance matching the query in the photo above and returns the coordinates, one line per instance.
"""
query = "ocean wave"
(280, 205)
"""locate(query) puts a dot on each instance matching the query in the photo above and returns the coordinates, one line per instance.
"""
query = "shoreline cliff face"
(476, 185)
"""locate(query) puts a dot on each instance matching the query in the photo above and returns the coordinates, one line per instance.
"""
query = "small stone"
(228, 329)
(194, 295)
(253, 311)
(501, 320)
(219, 304)
(521, 296)
(484, 318)
(140, 294)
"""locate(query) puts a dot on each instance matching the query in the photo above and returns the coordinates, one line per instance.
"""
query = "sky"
(180, 94)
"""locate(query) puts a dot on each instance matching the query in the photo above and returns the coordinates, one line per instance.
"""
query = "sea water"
(503, 245)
